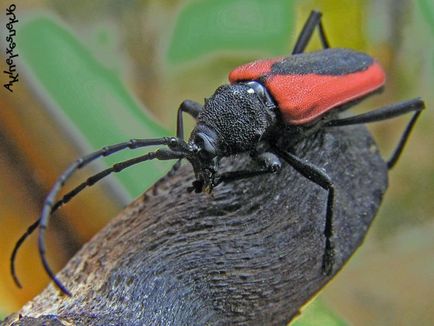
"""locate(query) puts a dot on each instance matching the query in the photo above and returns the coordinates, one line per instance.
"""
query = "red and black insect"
(267, 108)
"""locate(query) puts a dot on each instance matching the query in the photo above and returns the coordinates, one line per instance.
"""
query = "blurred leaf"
(317, 314)
(336, 15)
(205, 27)
(427, 7)
(86, 98)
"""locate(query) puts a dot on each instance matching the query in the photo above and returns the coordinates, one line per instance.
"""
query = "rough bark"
(249, 254)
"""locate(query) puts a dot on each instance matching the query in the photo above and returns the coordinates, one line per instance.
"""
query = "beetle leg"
(193, 109)
(321, 178)
(230, 176)
(190, 107)
(384, 113)
(270, 164)
(305, 35)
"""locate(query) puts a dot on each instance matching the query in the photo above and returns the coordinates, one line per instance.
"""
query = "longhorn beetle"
(266, 109)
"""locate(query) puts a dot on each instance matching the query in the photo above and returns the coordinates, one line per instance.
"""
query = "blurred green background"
(100, 72)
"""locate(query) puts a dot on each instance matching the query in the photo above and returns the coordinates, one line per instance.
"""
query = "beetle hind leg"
(306, 33)
(384, 113)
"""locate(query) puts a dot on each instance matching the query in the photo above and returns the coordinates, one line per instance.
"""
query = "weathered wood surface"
(250, 254)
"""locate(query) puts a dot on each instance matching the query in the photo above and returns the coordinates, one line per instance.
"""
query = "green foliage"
(427, 7)
(88, 100)
(205, 27)
(317, 314)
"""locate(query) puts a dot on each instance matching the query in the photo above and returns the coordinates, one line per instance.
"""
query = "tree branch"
(248, 254)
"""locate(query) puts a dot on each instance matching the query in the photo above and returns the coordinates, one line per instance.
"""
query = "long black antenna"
(179, 151)
(65, 199)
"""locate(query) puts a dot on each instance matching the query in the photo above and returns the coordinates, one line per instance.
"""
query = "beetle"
(268, 107)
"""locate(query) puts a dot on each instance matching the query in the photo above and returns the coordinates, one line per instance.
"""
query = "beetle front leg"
(269, 162)
(190, 107)
(193, 109)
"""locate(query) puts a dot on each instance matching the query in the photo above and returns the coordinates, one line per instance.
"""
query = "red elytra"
(303, 98)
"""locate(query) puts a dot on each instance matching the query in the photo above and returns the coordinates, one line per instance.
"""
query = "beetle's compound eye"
(205, 150)
(205, 143)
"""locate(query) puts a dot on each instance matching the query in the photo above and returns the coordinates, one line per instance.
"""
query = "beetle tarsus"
(329, 257)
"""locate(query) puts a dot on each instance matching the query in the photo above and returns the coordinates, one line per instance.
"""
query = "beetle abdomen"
(305, 86)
